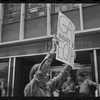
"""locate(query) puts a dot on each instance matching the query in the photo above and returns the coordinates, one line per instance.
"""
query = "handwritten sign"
(66, 36)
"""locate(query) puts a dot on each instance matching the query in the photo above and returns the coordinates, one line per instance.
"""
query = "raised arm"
(32, 87)
(56, 82)
(34, 84)
(45, 65)
(92, 83)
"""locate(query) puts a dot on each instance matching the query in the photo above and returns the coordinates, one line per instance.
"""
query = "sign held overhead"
(66, 35)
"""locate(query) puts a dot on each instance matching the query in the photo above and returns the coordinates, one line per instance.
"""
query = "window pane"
(11, 8)
(63, 7)
(85, 69)
(57, 9)
(91, 16)
(83, 64)
(88, 4)
(4, 77)
(12, 12)
(35, 9)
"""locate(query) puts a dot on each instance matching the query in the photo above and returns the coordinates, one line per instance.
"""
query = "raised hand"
(54, 44)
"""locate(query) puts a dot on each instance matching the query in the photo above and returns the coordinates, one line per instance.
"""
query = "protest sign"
(66, 36)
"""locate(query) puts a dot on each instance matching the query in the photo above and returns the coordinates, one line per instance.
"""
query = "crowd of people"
(66, 83)
(80, 86)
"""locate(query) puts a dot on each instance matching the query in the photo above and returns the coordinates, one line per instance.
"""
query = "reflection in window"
(63, 7)
(80, 68)
(36, 5)
(88, 4)
(3, 78)
(75, 5)
(35, 10)
(85, 69)
(57, 9)
(12, 12)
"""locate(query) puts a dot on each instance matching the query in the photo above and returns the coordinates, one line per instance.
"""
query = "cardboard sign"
(66, 36)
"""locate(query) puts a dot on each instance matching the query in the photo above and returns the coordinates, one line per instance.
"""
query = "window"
(57, 8)
(4, 78)
(85, 69)
(42, 4)
(84, 64)
(63, 7)
(12, 12)
(88, 4)
(35, 10)
(75, 5)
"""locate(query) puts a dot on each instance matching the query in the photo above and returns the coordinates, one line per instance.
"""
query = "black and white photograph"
(49, 50)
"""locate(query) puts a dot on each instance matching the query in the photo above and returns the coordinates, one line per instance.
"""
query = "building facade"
(26, 31)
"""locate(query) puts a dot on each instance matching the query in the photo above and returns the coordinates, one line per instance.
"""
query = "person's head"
(33, 71)
(81, 77)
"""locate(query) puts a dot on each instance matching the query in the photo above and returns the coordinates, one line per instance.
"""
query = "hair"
(33, 71)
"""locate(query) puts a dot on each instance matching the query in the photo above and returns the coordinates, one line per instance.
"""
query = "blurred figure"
(84, 85)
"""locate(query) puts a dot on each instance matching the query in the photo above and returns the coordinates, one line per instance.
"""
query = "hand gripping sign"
(66, 35)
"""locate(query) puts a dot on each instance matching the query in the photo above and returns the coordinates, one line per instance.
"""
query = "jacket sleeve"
(56, 82)
(45, 64)
(32, 87)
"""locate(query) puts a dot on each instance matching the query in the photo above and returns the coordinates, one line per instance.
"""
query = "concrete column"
(22, 22)
(9, 72)
(1, 19)
(48, 19)
(96, 70)
(81, 17)
(13, 77)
